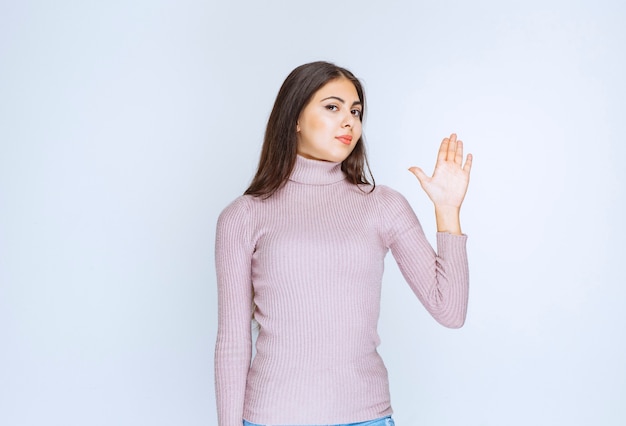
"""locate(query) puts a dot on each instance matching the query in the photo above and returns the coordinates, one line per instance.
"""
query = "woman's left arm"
(440, 278)
(448, 185)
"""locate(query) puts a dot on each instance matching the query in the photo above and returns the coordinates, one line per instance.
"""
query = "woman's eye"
(332, 107)
(356, 112)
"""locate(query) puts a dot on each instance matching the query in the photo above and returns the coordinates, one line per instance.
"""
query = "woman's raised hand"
(448, 184)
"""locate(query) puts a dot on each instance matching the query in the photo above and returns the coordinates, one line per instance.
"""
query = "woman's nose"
(348, 121)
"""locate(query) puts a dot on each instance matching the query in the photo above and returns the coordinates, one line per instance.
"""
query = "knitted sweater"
(311, 256)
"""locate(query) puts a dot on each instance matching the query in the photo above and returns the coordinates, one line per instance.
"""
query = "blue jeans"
(385, 421)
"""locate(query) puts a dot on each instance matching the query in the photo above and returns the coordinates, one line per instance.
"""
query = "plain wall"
(126, 127)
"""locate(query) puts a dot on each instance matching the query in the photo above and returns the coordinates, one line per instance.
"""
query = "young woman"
(302, 251)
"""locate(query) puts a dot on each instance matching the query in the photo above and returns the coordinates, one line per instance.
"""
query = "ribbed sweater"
(310, 258)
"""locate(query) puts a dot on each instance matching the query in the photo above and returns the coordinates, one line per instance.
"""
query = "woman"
(302, 251)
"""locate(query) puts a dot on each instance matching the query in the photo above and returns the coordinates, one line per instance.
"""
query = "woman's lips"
(345, 139)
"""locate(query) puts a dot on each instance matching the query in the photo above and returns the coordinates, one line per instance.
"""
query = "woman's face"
(330, 126)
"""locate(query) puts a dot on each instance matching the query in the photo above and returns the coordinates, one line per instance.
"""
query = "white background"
(126, 127)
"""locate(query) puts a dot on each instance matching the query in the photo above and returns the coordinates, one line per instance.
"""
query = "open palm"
(448, 185)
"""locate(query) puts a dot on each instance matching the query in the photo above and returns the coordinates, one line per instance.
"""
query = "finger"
(443, 150)
(458, 157)
(468, 163)
(451, 148)
(419, 174)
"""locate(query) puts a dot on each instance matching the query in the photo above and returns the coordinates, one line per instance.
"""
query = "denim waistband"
(384, 421)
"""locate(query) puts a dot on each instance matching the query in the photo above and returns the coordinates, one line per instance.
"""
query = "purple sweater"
(311, 256)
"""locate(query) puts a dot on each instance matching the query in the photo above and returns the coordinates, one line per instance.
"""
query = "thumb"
(419, 174)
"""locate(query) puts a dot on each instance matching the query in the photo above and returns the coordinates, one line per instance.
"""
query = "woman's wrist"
(448, 219)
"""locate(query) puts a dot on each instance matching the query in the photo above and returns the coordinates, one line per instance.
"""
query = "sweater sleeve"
(439, 279)
(233, 348)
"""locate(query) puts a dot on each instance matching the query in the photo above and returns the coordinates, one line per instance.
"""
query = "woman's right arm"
(233, 348)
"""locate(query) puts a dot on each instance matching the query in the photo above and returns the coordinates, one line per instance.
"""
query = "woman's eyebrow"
(341, 100)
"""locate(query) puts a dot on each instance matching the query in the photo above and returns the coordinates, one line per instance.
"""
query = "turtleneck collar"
(316, 172)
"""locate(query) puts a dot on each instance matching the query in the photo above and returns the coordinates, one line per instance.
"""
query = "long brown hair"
(278, 155)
